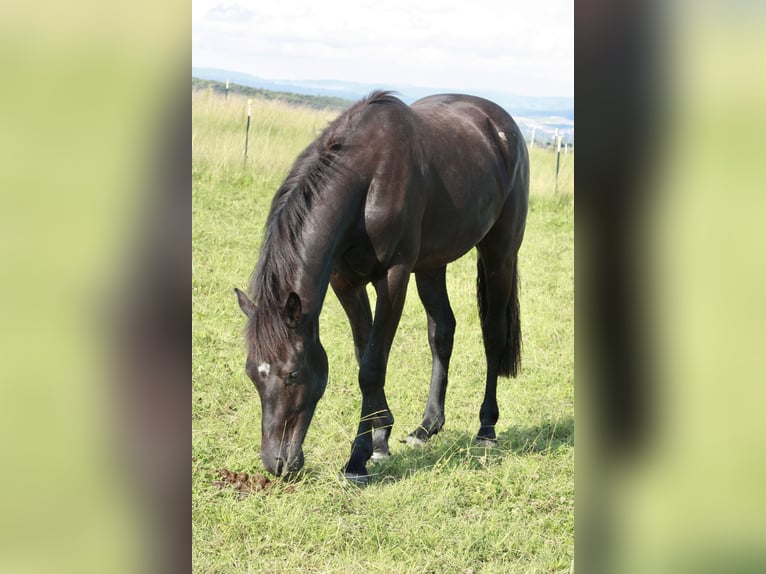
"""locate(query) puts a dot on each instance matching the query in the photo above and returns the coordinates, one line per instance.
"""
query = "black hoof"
(356, 479)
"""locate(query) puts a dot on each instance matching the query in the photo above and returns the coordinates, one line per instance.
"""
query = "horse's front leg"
(376, 419)
(356, 304)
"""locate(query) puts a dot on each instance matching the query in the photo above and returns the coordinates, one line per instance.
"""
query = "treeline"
(317, 102)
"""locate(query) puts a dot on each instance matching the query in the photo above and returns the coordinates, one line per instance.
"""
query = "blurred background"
(94, 287)
(670, 268)
(95, 226)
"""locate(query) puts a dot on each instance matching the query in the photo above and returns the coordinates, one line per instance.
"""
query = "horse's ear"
(247, 306)
(293, 309)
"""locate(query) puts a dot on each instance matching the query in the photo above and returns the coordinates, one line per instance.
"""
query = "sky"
(524, 48)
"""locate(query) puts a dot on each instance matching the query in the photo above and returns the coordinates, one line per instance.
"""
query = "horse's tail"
(510, 359)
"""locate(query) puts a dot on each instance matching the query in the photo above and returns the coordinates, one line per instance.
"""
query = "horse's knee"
(371, 377)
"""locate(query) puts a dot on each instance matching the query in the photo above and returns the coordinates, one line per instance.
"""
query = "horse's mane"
(317, 166)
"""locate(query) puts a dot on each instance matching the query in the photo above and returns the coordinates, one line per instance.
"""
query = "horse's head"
(288, 366)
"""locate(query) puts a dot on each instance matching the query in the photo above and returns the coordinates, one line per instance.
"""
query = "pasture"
(445, 507)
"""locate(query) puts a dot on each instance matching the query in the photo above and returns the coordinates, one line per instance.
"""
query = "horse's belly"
(439, 251)
(451, 227)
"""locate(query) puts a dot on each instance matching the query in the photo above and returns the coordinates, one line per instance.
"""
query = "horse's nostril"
(283, 463)
(273, 464)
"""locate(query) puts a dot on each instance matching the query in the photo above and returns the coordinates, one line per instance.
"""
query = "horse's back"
(472, 135)
(475, 153)
(460, 106)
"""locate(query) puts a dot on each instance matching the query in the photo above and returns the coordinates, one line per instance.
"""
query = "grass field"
(446, 507)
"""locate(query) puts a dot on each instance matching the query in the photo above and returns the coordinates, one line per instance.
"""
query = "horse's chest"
(357, 261)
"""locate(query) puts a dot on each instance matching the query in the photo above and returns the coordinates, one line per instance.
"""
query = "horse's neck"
(321, 234)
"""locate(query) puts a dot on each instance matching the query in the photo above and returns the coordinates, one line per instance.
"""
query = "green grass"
(445, 507)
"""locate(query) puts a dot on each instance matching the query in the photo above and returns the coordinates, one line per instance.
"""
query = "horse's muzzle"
(283, 463)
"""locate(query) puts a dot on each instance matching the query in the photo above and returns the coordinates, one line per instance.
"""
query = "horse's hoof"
(379, 455)
(356, 479)
(485, 442)
(413, 440)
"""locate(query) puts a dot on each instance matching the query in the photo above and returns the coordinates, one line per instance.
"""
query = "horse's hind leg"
(432, 288)
(497, 287)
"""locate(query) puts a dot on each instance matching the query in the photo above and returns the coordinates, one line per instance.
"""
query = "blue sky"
(507, 45)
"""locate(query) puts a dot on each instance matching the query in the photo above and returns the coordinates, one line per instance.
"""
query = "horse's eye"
(293, 376)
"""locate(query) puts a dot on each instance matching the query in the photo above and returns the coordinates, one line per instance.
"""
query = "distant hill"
(319, 102)
(528, 106)
(544, 115)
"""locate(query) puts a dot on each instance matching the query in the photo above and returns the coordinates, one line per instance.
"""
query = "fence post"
(247, 128)
(226, 93)
(558, 160)
(532, 143)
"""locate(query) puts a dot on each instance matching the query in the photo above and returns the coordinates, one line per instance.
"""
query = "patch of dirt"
(245, 484)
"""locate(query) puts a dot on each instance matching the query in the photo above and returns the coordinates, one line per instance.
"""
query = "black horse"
(385, 191)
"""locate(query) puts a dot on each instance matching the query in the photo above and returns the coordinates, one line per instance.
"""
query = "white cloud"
(233, 13)
(514, 46)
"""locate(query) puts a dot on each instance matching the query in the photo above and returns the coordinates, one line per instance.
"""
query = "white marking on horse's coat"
(502, 136)
(264, 369)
